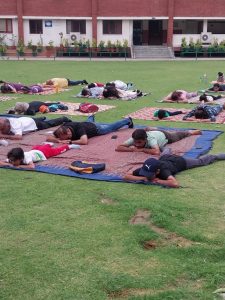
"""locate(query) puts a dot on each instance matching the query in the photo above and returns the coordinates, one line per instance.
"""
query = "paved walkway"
(5, 58)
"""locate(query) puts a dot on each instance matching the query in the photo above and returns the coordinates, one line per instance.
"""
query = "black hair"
(110, 91)
(110, 84)
(91, 85)
(15, 154)
(175, 95)
(220, 74)
(139, 134)
(85, 92)
(61, 130)
(161, 113)
(203, 97)
(216, 85)
(200, 113)
(5, 89)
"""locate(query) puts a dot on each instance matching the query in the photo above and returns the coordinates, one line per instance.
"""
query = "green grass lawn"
(67, 238)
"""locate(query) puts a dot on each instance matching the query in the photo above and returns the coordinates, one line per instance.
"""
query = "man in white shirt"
(15, 128)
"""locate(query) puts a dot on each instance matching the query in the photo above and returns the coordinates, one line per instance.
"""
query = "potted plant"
(125, 46)
(3, 49)
(50, 49)
(20, 47)
(191, 44)
(39, 46)
(34, 50)
(13, 41)
(184, 44)
(101, 46)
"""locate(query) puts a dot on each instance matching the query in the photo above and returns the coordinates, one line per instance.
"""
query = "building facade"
(140, 22)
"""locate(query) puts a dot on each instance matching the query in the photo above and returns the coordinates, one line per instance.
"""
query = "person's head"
(16, 156)
(85, 92)
(216, 87)
(43, 109)
(161, 113)
(49, 82)
(203, 98)
(220, 74)
(175, 95)
(140, 137)
(109, 92)
(21, 107)
(5, 89)
(5, 127)
(63, 133)
(200, 113)
(91, 85)
(110, 84)
(150, 168)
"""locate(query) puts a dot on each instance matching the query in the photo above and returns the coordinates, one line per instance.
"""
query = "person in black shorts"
(162, 171)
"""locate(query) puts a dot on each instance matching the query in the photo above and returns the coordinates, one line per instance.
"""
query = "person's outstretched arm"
(131, 177)
(170, 181)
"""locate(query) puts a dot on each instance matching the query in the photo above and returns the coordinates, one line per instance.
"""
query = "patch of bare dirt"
(142, 217)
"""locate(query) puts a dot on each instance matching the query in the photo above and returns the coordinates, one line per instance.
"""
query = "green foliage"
(101, 44)
(184, 43)
(20, 46)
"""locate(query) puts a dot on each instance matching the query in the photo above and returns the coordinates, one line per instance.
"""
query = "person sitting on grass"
(152, 141)
(160, 114)
(162, 171)
(205, 113)
(15, 128)
(80, 132)
(180, 96)
(18, 158)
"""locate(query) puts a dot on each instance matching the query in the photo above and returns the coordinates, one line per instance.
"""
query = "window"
(76, 26)
(216, 27)
(36, 26)
(188, 27)
(112, 27)
(5, 25)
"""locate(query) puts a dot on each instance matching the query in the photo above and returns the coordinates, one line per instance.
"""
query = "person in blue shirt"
(205, 112)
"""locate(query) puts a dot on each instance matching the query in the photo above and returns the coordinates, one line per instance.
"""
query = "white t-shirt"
(33, 156)
(22, 125)
(120, 85)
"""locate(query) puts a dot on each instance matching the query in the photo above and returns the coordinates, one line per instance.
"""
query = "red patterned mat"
(146, 113)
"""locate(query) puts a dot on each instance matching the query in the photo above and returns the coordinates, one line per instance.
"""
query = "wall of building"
(127, 32)
(52, 33)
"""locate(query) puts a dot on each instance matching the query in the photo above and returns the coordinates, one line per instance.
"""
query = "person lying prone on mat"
(162, 171)
(180, 96)
(114, 93)
(62, 82)
(11, 87)
(16, 157)
(153, 141)
(206, 113)
(217, 88)
(209, 98)
(80, 132)
(30, 108)
(15, 128)
(160, 114)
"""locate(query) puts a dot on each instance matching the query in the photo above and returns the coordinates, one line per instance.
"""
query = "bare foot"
(195, 132)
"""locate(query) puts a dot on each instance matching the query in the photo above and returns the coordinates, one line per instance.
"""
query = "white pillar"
(205, 25)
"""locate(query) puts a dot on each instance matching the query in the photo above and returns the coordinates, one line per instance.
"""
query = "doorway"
(155, 32)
